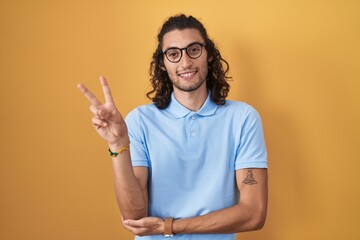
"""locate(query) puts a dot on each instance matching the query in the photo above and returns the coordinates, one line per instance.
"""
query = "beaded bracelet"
(114, 154)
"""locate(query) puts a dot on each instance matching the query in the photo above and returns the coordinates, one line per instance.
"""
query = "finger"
(100, 112)
(89, 95)
(103, 113)
(134, 223)
(98, 122)
(106, 90)
(128, 228)
(94, 110)
(136, 231)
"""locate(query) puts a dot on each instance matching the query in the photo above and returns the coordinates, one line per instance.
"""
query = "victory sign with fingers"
(107, 120)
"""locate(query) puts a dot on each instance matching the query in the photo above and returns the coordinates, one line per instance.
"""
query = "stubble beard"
(188, 88)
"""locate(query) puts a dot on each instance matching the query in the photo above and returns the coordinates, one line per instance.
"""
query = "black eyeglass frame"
(185, 48)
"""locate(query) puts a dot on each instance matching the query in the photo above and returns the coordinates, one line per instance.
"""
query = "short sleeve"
(251, 152)
(138, 153)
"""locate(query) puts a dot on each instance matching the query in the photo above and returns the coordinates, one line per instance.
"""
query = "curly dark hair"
(160, 81)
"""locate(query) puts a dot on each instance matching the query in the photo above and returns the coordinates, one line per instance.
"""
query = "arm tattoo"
(249, 178)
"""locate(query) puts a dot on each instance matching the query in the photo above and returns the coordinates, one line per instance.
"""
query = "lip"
(187, 74)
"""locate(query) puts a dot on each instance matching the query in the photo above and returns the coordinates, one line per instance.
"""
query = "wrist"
(168, 227)
(116, 146)
(178, 226)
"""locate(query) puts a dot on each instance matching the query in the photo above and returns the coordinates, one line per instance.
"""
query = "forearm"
(110, 125)
(238, 218)
(249, 214)
(131, 198)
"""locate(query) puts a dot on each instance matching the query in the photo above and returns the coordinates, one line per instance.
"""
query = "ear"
(210, 59)
(163, 68)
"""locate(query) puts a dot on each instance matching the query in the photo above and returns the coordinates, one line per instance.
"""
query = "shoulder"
(143, 110)
(237, 104)
(240, 109)
(144, 115)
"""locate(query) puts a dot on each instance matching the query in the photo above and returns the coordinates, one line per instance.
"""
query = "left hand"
(145, 226)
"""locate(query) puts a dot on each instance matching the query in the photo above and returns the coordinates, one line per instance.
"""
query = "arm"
(248, 214)
(130, 184)
(130, 187)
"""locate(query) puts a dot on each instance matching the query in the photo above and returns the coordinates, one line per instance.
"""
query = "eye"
(194, 50)
(173, 53)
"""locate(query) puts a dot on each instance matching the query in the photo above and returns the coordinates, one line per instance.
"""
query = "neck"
(191, 100)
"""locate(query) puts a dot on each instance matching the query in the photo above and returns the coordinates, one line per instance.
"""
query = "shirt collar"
(179, 111)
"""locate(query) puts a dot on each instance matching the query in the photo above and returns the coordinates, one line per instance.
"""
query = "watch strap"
(168, 227)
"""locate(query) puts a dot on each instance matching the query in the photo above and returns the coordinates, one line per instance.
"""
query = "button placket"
(193, 133)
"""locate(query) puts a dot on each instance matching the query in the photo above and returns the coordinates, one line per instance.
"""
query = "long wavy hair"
(217, 77)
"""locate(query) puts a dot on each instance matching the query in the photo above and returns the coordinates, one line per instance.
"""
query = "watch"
(168, 227)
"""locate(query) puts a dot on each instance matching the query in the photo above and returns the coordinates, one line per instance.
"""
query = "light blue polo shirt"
(192, 157)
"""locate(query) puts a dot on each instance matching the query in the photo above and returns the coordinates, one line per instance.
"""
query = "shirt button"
(193, 117)
(192, 134)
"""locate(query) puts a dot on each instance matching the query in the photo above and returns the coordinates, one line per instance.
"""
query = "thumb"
(103, 114)
(132, 223)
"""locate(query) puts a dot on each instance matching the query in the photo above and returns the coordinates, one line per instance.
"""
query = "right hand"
(107, 120)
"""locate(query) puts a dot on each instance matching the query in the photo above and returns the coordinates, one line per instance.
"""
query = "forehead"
(181, 38)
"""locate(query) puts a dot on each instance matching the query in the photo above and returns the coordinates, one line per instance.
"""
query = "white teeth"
(187, 74)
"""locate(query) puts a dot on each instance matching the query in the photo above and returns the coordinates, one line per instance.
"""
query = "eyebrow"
(183, 47)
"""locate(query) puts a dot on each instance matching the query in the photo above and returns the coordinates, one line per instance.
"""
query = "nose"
(185, 61)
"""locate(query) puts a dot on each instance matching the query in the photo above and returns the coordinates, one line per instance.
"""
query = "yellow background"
(297, 62)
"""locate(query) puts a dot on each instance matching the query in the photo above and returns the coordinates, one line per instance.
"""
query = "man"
(192, 165)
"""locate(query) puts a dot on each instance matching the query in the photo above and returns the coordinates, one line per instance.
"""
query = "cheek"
(170, 69)
(205, 68)
(167, 67)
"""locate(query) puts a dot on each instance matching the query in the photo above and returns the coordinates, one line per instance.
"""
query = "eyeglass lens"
(193, 51)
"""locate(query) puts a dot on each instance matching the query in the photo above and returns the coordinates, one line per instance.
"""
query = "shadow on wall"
(288, 200)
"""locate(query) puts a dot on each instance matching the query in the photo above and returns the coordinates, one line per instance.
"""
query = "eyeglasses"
(174, 54)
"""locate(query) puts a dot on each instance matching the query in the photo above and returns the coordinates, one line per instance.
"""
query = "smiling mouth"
(187, 75)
